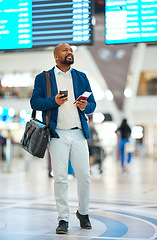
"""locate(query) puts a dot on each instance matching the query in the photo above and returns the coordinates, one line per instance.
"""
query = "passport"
(83, 96)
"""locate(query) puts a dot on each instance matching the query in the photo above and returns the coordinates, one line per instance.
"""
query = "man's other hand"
(81, 104)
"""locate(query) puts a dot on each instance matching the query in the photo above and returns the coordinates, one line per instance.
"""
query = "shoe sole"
(80, 225)
(61, 232)
(86, 228)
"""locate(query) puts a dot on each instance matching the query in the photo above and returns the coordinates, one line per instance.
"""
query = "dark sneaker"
(50, 175)
(84, 221)
(62, 227)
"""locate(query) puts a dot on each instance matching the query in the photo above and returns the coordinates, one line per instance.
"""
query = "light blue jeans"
(122, 143)
(71, 145)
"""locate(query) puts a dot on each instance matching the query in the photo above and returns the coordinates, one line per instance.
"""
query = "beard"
(67, 61)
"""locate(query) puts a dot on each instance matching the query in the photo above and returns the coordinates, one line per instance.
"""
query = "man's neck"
(63, 67)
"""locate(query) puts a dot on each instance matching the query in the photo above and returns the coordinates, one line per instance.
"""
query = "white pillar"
(136, 71)
(91, 66)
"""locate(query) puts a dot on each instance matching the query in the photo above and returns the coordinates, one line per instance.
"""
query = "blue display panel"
(41, 23)
(130, 21)
(15, 24)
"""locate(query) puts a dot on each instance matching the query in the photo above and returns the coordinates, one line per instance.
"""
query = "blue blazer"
(40, 102)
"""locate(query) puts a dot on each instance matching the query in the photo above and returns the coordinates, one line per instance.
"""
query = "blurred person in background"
(69, 129)
(124, 133)
(2, 143)
(92, 140)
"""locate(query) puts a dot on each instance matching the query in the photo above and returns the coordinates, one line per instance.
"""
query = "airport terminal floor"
(122, 205)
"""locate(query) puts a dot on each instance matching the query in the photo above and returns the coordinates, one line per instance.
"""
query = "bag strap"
(48, 88)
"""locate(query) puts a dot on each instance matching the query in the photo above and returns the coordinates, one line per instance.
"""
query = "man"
(69, 130)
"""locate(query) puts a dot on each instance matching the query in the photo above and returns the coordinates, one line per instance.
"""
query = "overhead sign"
(15, 24)
(130, 21)
(38, 23)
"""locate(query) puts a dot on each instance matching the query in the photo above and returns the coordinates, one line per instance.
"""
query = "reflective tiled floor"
(122, 206)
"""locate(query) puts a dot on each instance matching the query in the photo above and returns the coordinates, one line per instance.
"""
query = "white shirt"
(68, 116)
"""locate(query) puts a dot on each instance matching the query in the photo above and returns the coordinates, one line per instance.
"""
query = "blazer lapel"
(75, 83)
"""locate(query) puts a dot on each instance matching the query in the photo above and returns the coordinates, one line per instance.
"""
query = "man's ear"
(56, 57)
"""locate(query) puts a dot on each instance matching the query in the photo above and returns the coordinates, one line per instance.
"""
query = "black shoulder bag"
(37, 135)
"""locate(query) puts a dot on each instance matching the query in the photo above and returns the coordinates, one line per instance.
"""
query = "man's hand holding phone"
(61, 97)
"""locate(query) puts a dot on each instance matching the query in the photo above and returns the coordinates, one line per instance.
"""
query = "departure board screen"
(130, 21)
(15, 24)
(26, 24)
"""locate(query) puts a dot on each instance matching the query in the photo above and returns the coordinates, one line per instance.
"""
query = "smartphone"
(65, 92)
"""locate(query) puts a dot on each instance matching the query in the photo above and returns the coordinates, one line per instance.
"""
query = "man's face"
(64, 54)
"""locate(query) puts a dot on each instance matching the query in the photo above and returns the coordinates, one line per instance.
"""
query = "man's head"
(63, 54)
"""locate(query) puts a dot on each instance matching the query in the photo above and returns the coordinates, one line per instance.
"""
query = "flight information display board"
(15, 24)
(130, 21)
(26, 24)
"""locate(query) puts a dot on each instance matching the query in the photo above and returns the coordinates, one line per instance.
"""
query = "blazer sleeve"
(39, 100)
